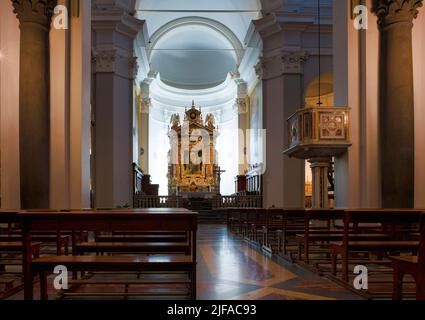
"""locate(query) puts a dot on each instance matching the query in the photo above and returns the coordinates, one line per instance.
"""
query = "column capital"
(395, 11)
(281, 63)
(240, 106)
(34, 11)
(145, 104)
(114, 60)
(293, 62)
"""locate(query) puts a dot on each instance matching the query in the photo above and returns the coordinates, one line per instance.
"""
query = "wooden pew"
(11, 245)
(108, 221)
(293, 223)
(133, 247)
(232, 218)
(393, 217)
(413, 265)
(320, 237)
(274, 223)
(257, 226)
(62, 242)
(141, 237)
(248, 217)
(311, 234)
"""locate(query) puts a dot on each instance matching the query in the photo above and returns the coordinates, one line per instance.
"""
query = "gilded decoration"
(192, 158)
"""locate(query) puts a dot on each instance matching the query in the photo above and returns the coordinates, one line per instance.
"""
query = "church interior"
(212, 150)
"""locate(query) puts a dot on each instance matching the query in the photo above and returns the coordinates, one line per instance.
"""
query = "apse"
(195, 50)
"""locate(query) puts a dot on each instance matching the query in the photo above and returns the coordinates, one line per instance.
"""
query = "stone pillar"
(240, 108)
(284, 178)
(319, 169)
(114, 31)
(395, 20)
(34, 107)
(145, 105)
(293, 92)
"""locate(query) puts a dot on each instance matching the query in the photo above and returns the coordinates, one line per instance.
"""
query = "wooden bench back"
(399, 216)
(111, 220)
(390, 219)
(421, 251)
(324, 214)
(261, 216)
(274, 216)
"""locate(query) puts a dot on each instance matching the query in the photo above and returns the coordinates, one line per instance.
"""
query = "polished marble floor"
(231, 269)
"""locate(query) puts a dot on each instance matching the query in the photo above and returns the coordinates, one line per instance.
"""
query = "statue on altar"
(192, 160)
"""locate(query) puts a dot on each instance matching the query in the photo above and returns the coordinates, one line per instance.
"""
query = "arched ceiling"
(168, 10)
(200, 52)
(193, 56)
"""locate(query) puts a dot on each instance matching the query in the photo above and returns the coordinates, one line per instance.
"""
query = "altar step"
(211, 217)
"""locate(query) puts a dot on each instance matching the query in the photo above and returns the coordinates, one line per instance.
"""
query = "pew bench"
(137, 264)
(133, 221)
(142, 238)
(269, 231)
(327, 239)
(413, 265)
(257, 226)
(62, 241)
(340, 248)
(16, 247)
(132, 247)
(391, 219)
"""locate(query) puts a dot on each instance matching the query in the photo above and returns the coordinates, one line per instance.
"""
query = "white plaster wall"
(419, 87)
(9, 107)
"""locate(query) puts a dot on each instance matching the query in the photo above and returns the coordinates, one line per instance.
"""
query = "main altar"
(192, 160)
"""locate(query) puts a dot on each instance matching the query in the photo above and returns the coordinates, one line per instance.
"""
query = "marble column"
(34, 106)
(395, 20)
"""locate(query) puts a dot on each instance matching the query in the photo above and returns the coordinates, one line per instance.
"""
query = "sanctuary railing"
(144, 201)
(238, 201)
